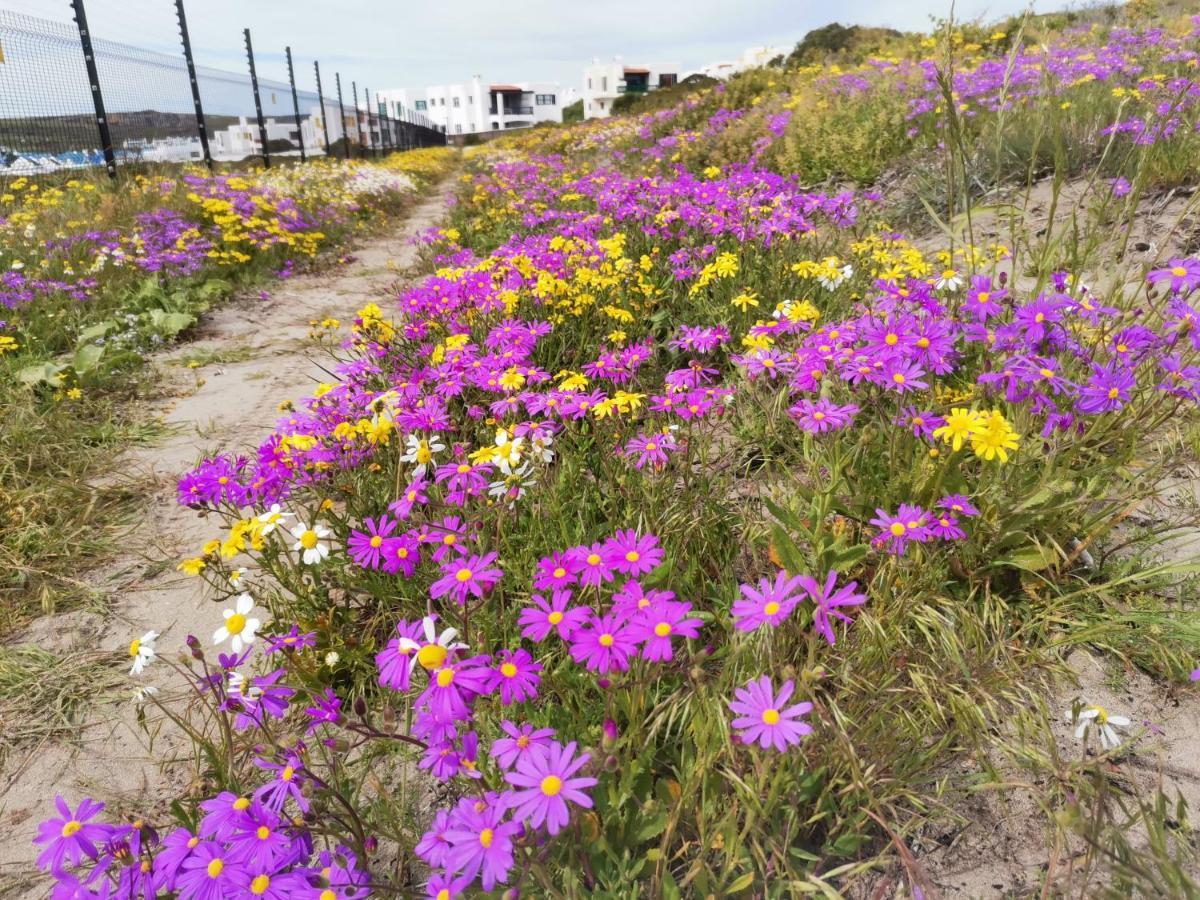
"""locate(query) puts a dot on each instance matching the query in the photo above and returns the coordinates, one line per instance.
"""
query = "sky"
(385, 44)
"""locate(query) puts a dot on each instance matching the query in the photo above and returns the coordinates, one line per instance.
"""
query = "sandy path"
(216, 407)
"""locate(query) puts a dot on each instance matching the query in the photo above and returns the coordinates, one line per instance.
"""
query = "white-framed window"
(456, 103)
(545, 99)
(458, 129)
(589, 84)
(420, 104)
(604, 84)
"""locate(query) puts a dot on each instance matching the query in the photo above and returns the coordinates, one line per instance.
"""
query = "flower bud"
(610, 734)
(360, 707)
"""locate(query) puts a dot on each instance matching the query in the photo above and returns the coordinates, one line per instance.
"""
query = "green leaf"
(41, 373)
(87, 359)
(651, 827)
(170, 324)
(740, 883)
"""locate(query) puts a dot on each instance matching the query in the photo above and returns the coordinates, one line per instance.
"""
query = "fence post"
(321, 100)
(295, 103)
(89, 59)
(262, 125)
(191, 68)
(370, 133)
(358, 138)
(337, 76)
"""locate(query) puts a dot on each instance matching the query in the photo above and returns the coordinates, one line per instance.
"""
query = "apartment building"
(477, 105)
(604, 82)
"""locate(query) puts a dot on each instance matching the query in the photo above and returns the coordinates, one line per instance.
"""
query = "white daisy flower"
(239, 627)
(273, 518)
(310, 542)
(245, 692)
(1101, 720)
(540, 444)
(950, 281)
(508, 452)
(513, 487)
(421, 451)
(141, 651)
(431, 654)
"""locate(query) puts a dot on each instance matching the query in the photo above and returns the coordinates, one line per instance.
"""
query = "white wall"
(604, 82)
(466, 108)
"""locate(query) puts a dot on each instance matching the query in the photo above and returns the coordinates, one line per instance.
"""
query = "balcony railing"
(512, 111)
(634, 88)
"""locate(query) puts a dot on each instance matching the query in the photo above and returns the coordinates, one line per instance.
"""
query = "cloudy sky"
(394, 43)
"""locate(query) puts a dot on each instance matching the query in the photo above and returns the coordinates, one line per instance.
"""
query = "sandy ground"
(215, 407)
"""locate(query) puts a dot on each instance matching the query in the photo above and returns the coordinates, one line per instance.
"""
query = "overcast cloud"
(402, 43)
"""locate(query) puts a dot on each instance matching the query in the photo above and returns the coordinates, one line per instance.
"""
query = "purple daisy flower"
(522, 740)
(537, 621)
(763, 717)
(768, 603)
(547, 776)
(828, 600)
(71, 835)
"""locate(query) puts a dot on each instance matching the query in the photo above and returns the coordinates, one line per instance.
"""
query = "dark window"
(545, 99)
(666, 79)
(420, 104)
(456, 103)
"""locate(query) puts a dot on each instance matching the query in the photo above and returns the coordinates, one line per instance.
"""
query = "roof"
(505, 88)
(636, 70)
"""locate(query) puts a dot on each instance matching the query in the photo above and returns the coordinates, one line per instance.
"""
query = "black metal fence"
(72, 99)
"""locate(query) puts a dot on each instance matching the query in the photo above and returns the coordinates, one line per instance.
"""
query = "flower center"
(770, 716)
(215, 867)
(263, 832)
(241, 803)
(1178, 271)
(632, 556)
(463, 575)
(134, 646)
(508, 670)
(308, 540)
(1101, 715)
(593, 559)
(287, 774)
(771, 608)
(236, 623)
(898, 378)
(898, 529)
(560, 572)
(71, 828)
(445, 677)
(523, 741)
(818, 415)
(431, 656)
(551, 785)
(327, 894)
(1113, 393)
(486, 836)
(555, 617)
(443, 894)
(376, 540)
(606, 640)
(662, 629)
(260, 884)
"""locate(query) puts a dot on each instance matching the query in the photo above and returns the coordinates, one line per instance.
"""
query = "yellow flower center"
(328, 894)
(891, 340)
(486, 836)
(551, 785)
(1178, 271)
(445, 677)
(215, 867)
(1047, 373)
(443, 894)
(1101, 715)
(632, 556)
(402, 552)
(650, 445)
(662, 629)
(555, 617)
(560, 572)
(236, 623)
(71, 828)
(1113, 393)
(463, 575)
(898, 529)
(818, 415)
(260, 884)
(376, 540)
(431, 656)
(134, 646)
(898, 378)
(287, 774)
(463, 469)
(308, 540)
(606, 640)
(241, 803)
(523, 741)
(449, 540)
(771, 608)
(263, 832)
(984, 296)
(508, 670)
(770, 716)
(593, 559)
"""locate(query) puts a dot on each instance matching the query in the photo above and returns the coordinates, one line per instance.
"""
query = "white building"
(241, 141)
(477, 106)
(752, 58)
(604, 82)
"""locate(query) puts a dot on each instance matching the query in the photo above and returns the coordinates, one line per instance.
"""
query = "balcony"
(511, 111)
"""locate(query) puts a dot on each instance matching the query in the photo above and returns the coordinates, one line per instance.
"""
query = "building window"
(666, 79)
(458, 129)
(604, 84)
(420, 104)
(441, 101)
(471, 100)
(456, 103)
(545, 99)
(589, 84)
